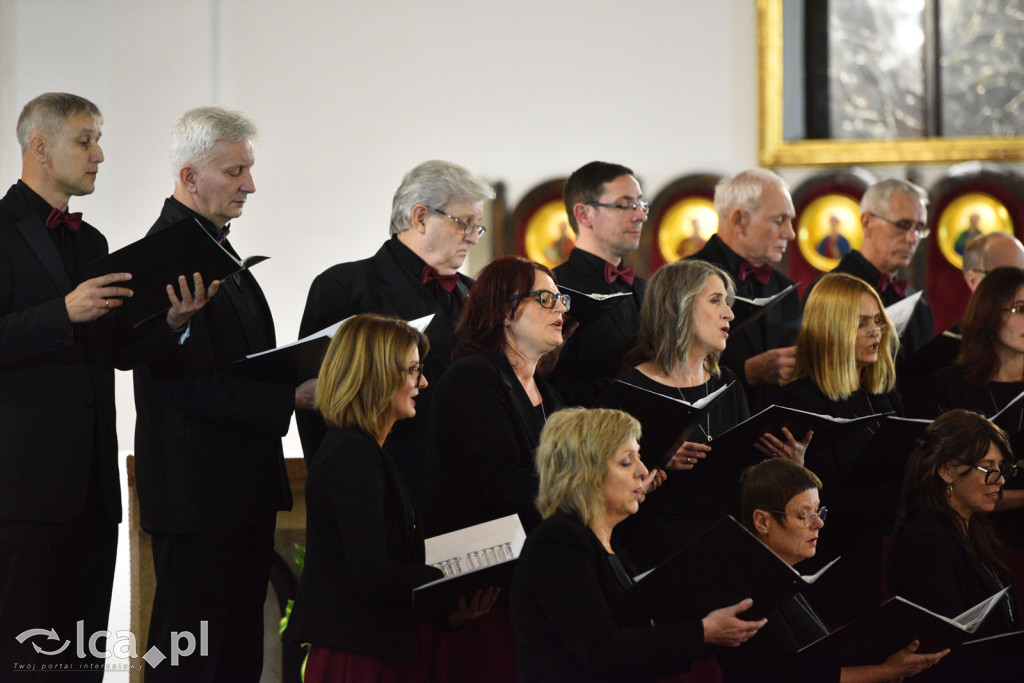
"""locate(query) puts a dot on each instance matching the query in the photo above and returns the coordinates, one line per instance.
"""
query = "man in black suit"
(755, 226)
(435, 220)
(60, 500)
(209, 465)
(606, 210)
(894, 220)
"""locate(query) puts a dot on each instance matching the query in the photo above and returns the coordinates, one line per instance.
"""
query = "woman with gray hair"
(684, 325)
(571, 619)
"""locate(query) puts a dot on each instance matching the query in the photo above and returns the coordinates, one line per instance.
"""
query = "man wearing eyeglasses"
(435, 221)
(755, 227)
(893, 217)
(606, 211)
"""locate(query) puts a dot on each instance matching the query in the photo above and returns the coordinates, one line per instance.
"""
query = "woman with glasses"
(781, 507)
(989, 374)
(572, 620)
(486, 417)
(845, 369)
(364, 541)
(944, 556)
(490, 405)
(684, 325)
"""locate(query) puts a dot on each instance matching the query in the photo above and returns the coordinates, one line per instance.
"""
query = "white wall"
(350, 95)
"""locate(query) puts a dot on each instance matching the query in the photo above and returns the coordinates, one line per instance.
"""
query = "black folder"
(667, 422)
(490, 551)
(891, 626)
(885, 456)
(586, 308)
(158, 259)
(296, 362)
(748, 311)
(719, 568)
(734, 448)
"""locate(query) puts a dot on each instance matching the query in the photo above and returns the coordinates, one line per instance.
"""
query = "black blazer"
(852, 510)
(380, 284)
(572, 622)
(364, 554)
(928, 566)
(777, 328)
(593, 355)
(57, 379)
(208, 444)
(484, 434)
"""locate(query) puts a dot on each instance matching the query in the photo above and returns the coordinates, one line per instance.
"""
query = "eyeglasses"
(628, 206)
(906, 225)
(546, 298)
(992, 475)
(417, 370)
(808, 517)
(467, 228)
(868, 327)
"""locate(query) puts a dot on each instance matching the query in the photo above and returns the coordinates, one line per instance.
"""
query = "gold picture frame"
(774, 150)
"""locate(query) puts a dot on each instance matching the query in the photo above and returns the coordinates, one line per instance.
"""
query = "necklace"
(707, 392)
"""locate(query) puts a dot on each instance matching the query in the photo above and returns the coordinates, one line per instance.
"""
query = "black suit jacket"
(484, 432)
(777, 328)
(208, 444)
(572, 622)
(57, 426)
(364, 553)
(593, 355)
(379, 284)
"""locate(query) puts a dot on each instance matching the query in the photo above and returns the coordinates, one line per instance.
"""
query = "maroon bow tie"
(57, 218)
(447, 281)
(760, 273)
(896, 284)
(611, 274)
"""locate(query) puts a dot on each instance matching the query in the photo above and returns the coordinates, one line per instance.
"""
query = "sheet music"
(481, 545)
(329, 331)
(594, 295)
(1007, 406)
(901, 311)
(766, 300)
(971, 619)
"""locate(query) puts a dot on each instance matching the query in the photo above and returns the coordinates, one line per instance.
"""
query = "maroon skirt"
(325, 665)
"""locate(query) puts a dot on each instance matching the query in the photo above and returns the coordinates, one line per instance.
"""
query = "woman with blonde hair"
(684, 325)
(364, 542)
(845, 368)
(571, 619)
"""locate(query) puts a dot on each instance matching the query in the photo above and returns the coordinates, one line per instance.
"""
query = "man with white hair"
(435, 221)
(209, 464)
(60, 501)
(755, 226)
(894, 220)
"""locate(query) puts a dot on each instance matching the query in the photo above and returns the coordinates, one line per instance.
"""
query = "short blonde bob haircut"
(666, 318)
(363, 368)
(572, 459)
(826, 350)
